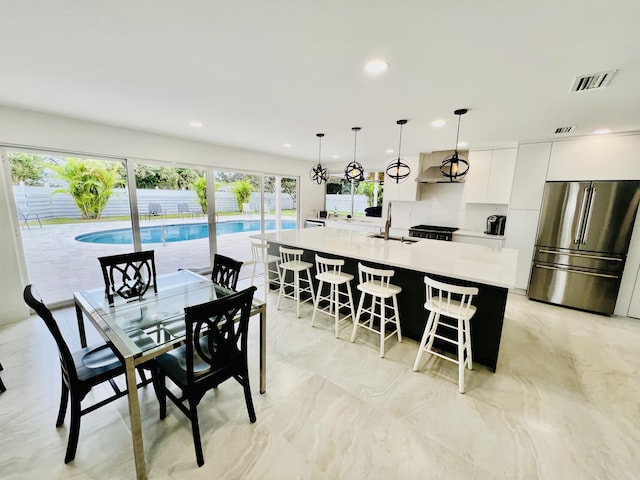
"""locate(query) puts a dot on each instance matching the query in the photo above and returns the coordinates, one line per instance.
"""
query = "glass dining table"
(145, 328)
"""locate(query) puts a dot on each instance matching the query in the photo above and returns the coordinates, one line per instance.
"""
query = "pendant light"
(354, 172)
(319, 173)
(398, 171)
(455, 167)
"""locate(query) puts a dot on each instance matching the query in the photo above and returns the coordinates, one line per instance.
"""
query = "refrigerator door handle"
(578, 234)
(593, 274)
(581, 255)
(585, 234)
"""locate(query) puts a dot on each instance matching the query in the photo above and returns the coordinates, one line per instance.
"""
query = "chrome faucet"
(387, 224)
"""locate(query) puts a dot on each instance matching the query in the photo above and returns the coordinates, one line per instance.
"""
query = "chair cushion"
(96, 361)
(295, 265)
(174, 364)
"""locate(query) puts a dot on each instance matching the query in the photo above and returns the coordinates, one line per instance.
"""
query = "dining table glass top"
(155, 319)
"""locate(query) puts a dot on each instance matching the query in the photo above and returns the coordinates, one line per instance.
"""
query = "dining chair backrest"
(183, 207)
(449, 300)
(259, 250)
(217, 333)
(69, 372)
(155, 209)
(329, 265)
(377, 276)
(128, 275)
(226, 271)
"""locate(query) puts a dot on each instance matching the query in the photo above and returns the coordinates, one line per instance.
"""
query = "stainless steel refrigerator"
(582, 243)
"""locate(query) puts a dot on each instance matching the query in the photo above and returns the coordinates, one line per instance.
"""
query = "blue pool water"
(180, 232)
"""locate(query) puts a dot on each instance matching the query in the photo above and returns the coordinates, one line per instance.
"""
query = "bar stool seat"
(375, 283)
(329, 271)
(454, 302)
(291, 260)
(270, 264)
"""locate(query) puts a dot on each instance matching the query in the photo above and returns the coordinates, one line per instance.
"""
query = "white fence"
(43, 202)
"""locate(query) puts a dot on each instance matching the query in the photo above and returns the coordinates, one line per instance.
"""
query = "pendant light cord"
(400, 143)
(458, 133)
(355, 141)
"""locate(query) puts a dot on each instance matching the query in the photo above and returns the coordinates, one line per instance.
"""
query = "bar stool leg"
(357, 319)
(396, 312)
(467, 328)
(383, 323)
(316, 303)
(296, 287)
(461, 361)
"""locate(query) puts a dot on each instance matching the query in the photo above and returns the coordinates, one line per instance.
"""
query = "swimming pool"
(179, 232)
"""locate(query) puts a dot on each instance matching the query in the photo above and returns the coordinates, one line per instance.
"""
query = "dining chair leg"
(74, 429)
(193, 414)
(64, 400)
(2, 387)
(159, 383)
(247, 396)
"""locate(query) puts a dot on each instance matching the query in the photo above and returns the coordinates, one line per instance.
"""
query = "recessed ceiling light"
(438, 123)
(287, 145)
(195, 124)
(389, 150)
(376, 67)
(335, 156)
(602, 131)
(462, 144)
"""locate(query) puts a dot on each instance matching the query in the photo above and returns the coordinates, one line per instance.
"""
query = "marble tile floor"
(563, 404)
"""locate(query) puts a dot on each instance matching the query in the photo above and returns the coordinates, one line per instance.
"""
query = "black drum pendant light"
(319, 173)
(354, 172)
(454, 167)
(398, 171)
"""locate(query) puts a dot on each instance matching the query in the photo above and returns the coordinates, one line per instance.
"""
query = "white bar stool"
(329, 271)
(375, 283)
(291, 260)
(441, 302)
(260, 255)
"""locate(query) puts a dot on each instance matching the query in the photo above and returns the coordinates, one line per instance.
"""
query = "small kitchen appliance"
(496, 224)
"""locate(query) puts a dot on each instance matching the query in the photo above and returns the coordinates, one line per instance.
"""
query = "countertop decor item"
(454, 167)
(397, 170)
(354, 172)
(318, 173)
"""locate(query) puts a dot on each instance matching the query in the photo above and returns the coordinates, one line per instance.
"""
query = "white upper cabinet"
(596, 158)
(490, 176)
(530, 175)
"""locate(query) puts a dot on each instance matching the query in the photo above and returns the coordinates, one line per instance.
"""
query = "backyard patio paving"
(60, 265)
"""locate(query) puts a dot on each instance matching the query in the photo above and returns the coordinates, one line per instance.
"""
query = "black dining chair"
(2, 387)
(129, 275)
(81, 371)
(215, 350)
(226, 271)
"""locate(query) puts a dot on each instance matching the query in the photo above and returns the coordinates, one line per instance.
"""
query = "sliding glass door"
(171, 215)
(70, 210)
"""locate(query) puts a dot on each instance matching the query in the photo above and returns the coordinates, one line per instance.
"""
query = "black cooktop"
(434, 228)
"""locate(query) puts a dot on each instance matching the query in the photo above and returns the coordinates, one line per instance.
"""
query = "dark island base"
(486, 324)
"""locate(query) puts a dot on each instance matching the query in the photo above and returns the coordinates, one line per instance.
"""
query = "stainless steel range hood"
(432, 175)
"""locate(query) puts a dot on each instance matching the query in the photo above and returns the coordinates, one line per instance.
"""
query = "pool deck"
(60, 265)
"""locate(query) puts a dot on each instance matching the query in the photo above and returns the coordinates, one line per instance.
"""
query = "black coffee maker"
(496, 224)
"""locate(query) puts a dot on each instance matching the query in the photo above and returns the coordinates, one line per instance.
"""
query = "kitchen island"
(492, 270)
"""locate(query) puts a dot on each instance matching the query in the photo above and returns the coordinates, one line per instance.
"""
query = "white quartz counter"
(475, 263)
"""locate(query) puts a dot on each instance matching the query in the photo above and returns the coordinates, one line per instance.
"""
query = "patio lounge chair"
(247, 208)
(25, 216)
(155, 210)
(184, 210)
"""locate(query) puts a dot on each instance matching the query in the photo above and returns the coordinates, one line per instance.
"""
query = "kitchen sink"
(405, 240)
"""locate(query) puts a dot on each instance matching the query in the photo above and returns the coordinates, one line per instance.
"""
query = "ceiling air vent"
(561, 130)
(592, 81)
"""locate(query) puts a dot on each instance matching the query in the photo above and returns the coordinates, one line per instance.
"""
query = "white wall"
(43, 131)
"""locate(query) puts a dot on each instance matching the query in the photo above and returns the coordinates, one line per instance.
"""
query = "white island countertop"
(474, 263)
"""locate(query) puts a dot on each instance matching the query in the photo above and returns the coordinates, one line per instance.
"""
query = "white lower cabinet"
(522, 226)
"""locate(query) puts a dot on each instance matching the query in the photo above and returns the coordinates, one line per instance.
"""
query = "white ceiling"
(260, 73)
